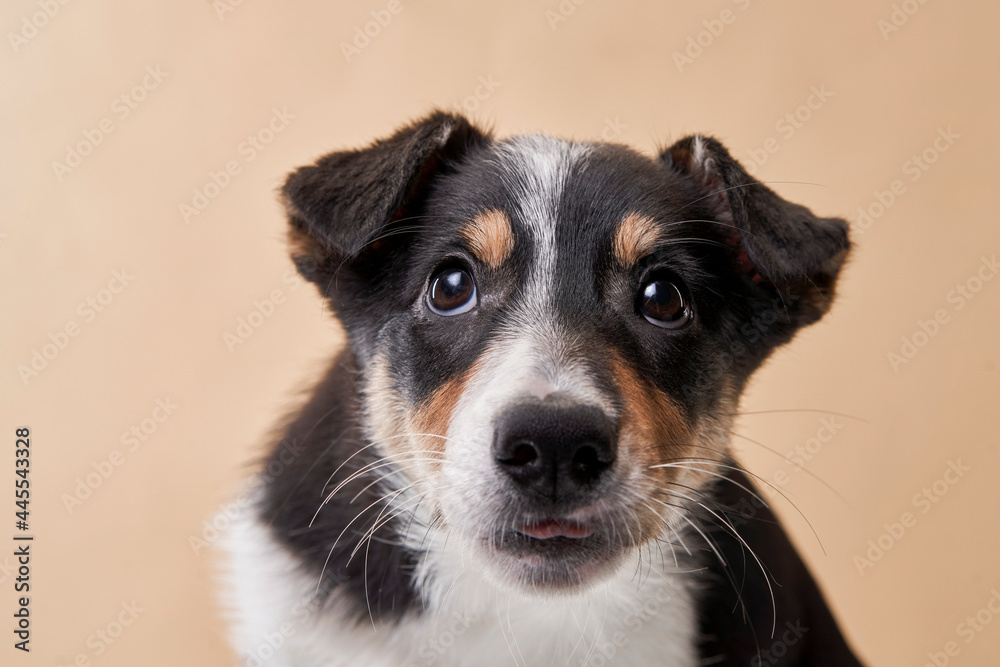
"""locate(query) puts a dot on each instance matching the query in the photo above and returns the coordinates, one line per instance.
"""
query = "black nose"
(554, 452)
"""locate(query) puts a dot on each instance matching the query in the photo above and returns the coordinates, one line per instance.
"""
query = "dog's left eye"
(663, 303)
(452, 292)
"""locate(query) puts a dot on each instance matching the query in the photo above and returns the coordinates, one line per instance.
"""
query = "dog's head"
(552, 336)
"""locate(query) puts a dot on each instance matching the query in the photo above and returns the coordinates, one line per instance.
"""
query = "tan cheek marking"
(433, 418)
(652, 425)
(385, 409)
(636, 236)
(653, 431)
(411, 436)
(490, 237)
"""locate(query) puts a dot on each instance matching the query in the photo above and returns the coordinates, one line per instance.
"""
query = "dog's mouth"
(549, 529)
(554, 553)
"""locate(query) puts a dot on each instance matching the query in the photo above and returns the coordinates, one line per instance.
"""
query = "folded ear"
(348, 199)
(777, 242)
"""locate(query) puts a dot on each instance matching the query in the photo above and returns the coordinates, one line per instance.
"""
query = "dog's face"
(552, 336)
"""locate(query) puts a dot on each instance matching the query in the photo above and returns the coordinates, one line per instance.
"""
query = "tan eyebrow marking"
(635, 237)
(490, 237)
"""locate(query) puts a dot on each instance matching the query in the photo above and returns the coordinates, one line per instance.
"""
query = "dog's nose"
(554, 452)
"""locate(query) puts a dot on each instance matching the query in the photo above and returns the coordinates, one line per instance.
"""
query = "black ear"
(348, 199)
(777, 242)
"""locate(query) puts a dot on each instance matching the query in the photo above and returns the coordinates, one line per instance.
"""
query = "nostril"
(588, 463)
(522, 453)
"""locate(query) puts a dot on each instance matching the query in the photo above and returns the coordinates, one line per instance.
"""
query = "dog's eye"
(452, 292)
(662, 303)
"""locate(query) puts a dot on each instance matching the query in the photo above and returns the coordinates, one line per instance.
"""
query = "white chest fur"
(644, 616)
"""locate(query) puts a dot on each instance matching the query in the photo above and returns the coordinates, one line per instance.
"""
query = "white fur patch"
(271, 604)
(541, 165)
(698, 154)
(644, 616)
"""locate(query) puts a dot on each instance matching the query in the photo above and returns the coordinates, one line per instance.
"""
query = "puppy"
(521, 457)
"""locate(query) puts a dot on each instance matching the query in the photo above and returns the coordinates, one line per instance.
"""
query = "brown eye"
(662, 303)
(452, 292)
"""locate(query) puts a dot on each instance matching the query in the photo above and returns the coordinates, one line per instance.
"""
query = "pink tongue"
(544, 530)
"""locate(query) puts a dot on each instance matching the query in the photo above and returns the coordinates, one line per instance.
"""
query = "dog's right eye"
(452, 292)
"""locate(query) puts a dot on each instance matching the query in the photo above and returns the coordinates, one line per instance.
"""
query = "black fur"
(736, 612)
(372, 225)
(327, 432)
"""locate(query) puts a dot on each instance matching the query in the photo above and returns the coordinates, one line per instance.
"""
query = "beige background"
(608, 68)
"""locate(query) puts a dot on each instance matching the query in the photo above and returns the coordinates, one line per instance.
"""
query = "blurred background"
(154, 330)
